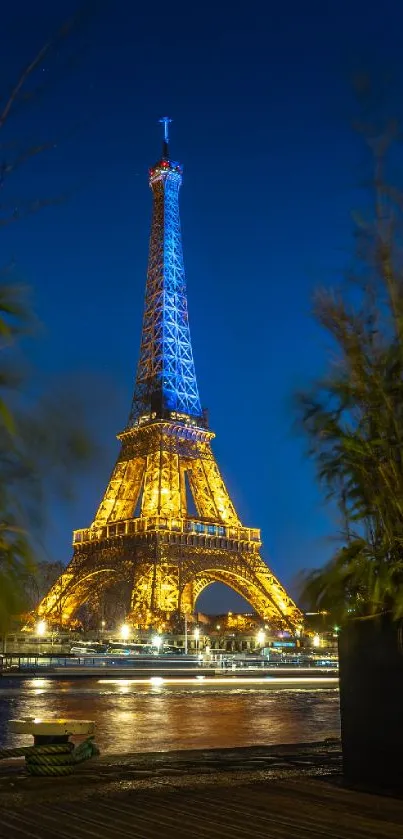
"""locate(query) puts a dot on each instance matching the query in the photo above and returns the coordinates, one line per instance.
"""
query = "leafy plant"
(43, 443)
(45, 438)
(353, 417)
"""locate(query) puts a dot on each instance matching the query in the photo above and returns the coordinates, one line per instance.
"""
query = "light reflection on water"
(132, 716)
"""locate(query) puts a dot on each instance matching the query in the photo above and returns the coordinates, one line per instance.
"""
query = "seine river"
(132, 716)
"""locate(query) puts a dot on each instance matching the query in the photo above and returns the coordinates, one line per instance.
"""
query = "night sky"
(261, 100)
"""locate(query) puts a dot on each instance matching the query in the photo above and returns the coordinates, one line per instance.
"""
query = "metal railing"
(131, 527)
(28, 663)
(219, 661)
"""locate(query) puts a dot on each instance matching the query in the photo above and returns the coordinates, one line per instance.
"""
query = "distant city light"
(316, 641)
(156, 641)
(197, 633)
(260, 638)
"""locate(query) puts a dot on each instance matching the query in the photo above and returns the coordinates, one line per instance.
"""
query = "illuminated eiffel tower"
(144, 531)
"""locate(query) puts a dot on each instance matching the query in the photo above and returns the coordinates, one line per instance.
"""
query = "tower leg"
(155, 598)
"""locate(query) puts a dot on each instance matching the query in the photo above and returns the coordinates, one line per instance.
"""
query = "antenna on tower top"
(165, 122)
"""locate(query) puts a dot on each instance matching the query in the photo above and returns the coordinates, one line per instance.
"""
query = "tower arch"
(248, 587)
(70, 592)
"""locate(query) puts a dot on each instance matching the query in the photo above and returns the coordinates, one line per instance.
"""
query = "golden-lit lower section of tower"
(144, 533)
(123, 490)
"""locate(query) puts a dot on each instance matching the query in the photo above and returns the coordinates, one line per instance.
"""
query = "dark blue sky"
(262, 108)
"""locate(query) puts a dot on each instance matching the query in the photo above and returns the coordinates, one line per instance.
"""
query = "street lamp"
(41, 628)
(186, 633)
(260, 638)
(125, 631)
(157, 642)
(197, 636)
(316, 641)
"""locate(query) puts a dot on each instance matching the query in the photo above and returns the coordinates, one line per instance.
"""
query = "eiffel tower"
(144, 531)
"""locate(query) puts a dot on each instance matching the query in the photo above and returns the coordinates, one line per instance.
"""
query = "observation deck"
(174, 531)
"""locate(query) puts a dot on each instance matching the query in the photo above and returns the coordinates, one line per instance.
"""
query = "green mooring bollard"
(52, 752)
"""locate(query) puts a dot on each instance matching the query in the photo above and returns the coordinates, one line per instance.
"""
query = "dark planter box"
(371, 703)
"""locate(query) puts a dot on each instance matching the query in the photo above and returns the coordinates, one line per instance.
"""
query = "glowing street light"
(125, 631)
(157, 641)
(197, 636)
(260, 638)
(316, 641)
(41, 628)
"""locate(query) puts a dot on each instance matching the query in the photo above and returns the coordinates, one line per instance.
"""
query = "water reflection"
(160, 715)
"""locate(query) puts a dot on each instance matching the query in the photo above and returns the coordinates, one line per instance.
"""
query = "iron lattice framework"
(144, 532)
(166, 377)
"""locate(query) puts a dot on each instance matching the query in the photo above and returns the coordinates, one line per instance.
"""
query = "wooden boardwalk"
(282, 792)
(290, 808)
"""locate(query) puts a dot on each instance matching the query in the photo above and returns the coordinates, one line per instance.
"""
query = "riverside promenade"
(283, 792)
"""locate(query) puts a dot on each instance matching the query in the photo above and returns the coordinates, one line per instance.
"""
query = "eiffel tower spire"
(166, 383)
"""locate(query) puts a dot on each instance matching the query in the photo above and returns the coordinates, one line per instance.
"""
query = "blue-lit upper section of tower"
(166, 385)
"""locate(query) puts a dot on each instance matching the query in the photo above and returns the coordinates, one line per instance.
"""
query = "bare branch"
(28, 71)
(27, 208)
(13, 154)
(6, 168)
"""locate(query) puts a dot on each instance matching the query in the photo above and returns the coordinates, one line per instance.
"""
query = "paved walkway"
(282, 793)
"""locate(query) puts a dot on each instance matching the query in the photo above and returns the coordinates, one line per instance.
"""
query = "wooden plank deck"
(291, 808)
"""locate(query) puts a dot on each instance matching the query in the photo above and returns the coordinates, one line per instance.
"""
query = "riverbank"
(108, 772)
(285, 791)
